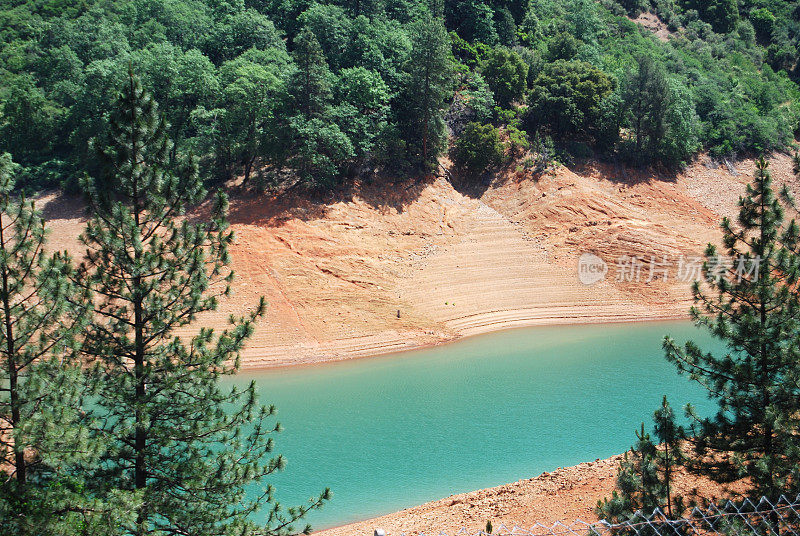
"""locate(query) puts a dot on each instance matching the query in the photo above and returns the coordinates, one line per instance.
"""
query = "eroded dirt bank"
(395, 267)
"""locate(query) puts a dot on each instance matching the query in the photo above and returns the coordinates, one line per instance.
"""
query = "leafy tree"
(239, 31)
(363, 109)
(477, 148)
(480, 98)
(518, 140)
(634, 7)
(584, 20)
(254, 92)
(186, 445)
(506, 74)
(332, 28)
(681, 136)
(563, 46)
(764, 23)
(311, 82)
(474, 21)
(721, 14)
(27, 124)
(320, 146)
(427, 88)
(749, 302)
(566, 97)
(382, 46)
(322, 149)
(43, 435)
(646, 474)
(182, 81)
(506, 27)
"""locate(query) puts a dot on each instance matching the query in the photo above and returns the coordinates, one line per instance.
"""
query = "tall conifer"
(198, 454)
(428, 86)
(749, 300)
(43, 434)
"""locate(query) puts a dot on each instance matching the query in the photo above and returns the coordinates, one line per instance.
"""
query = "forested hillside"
(280, 90)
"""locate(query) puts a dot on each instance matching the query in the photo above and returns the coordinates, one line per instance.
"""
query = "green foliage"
(426, 91)
(247, 122)
(750, 303)
(363, 108)
(721, 14)
(734, 64)
(506, 74)
(646, 475)
(179, 440)
(478, 148)
(321, 148)
(564, 46)
(566, 98)
(518, 139)
(659, 114)
(474, 21)
(764, 22)
(480, 98)
(43, 431)
(544, 151)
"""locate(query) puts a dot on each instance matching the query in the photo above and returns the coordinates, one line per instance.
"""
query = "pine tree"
(750, 302)
(43, 436)
(311, 82)
(188, 446)
(646, 99)
(428, 86)
(320, 146)
(645, 480)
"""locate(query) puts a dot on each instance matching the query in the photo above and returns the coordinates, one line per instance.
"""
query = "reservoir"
(396, 431)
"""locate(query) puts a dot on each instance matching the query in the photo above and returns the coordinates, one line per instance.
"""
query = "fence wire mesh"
(763, 517)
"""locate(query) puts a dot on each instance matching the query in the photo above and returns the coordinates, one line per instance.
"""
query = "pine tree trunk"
(13, 372)
(140, 434)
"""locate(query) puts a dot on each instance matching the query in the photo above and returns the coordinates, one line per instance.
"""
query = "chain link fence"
(747, 518)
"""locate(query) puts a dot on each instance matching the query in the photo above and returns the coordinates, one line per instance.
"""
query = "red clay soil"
(454, 261)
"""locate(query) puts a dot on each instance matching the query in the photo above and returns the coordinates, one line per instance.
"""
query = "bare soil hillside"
(393, 267)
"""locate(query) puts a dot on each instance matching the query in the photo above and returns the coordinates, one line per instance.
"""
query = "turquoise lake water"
(392, 432)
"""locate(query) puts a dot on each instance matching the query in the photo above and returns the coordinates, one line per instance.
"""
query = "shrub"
(478, 148)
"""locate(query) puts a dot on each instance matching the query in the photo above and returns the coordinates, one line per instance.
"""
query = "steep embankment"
(453, 264)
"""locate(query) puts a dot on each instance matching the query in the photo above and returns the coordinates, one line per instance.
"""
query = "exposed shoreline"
(250, 366)
(566, 495)
(426, 262)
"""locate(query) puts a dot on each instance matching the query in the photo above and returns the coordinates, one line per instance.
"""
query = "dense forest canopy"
(323, 91)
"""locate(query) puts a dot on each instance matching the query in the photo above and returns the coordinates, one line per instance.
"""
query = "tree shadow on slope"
(617, 171)
(274, 208)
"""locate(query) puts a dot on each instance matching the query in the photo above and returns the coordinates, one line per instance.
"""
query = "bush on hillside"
(478, 148)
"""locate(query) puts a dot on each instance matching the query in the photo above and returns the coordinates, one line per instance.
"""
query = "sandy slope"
(454, 261)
